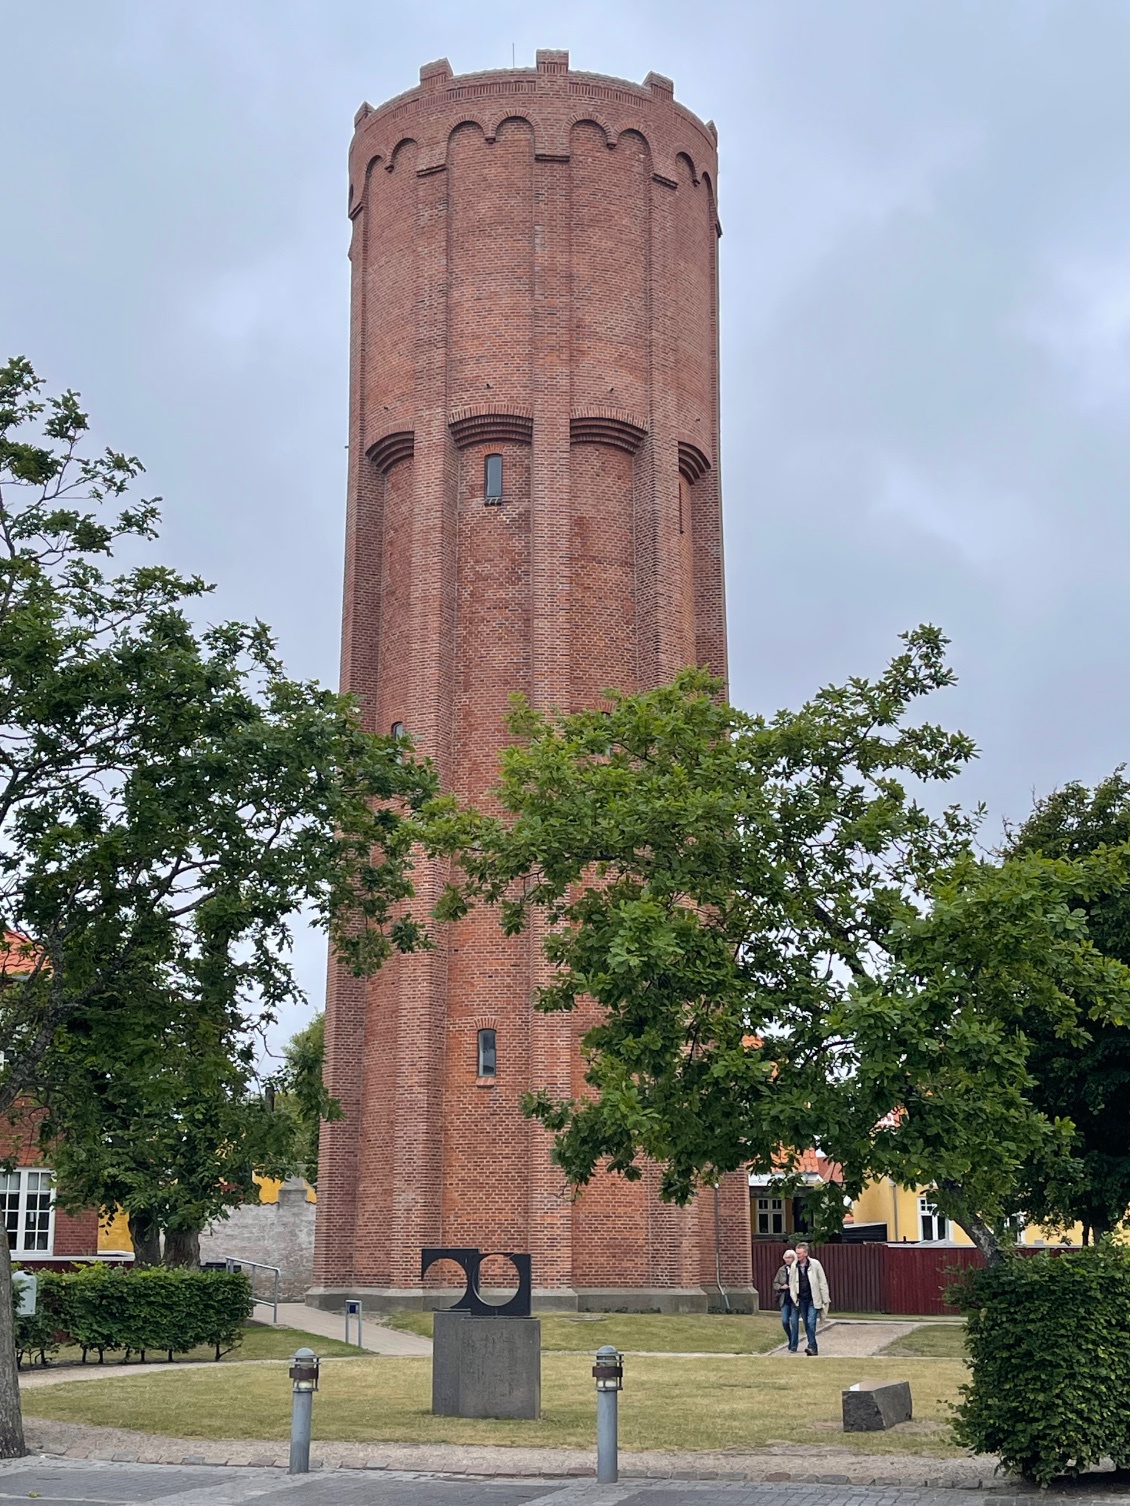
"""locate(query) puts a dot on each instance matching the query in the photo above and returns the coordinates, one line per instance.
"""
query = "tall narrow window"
(397, 730)
(492, 479)
(488, 1053)
(934, 1224)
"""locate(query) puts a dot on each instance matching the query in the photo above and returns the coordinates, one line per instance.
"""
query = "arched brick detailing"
(606, 426)
(693, 464)
(534, 275)
(488, 425)
(392, 447)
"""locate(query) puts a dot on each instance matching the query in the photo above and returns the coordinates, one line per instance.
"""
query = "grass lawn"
(735, 1404)
(707, 1333)
(260, 1342)
(941, 1341)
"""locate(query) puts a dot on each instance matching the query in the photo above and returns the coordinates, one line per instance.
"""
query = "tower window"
(488, 1053)
(397, 730)
(492, 478)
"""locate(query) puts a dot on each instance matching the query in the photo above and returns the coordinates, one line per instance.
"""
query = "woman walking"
(783, 1295)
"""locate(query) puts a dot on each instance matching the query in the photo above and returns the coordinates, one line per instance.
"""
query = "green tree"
(156, 1111)
(302, 1094)
(788, 947)
(1084, 1076)
(169, 799)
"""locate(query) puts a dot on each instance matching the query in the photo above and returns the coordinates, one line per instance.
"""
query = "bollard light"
(304, 1370)
(304, 1380)
(609, 1369)
(608, 1372)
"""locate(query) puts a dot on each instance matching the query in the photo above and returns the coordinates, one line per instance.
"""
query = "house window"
(28, 1211)
(933, 1224)
(770, 1215)
(488, 1053)
(492, 478)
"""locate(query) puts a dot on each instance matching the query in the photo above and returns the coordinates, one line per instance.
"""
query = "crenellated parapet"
(551, 99)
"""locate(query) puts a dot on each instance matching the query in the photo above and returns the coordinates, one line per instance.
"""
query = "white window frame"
(28, 1183)
(940, 1228)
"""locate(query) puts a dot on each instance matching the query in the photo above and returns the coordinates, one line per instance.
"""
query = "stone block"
(486, 1367)
(871, 1406)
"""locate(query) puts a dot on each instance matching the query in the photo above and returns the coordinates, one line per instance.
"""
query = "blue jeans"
(808, 1312)
(787, 1317)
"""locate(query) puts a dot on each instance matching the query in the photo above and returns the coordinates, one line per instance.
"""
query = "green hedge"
(106, 1310)
(1049, 1346)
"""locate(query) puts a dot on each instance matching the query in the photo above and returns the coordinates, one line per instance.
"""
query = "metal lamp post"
(609, 1375)
(304, 1377)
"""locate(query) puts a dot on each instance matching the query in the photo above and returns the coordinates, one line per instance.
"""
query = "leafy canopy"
(1083, 1076)
(169, 798)
(787, 945)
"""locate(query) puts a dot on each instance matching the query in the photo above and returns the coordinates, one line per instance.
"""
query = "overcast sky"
(925, 313)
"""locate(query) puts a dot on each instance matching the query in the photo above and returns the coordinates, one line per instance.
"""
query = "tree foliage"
(302, 1094)
(1083, 1076)
(788, 946)
(169, 798)
(155, 1110)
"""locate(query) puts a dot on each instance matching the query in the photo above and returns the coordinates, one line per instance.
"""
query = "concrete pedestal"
(872, 1406)
(486, 1367)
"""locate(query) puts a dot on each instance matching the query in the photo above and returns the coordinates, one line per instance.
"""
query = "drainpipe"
(895, 1206)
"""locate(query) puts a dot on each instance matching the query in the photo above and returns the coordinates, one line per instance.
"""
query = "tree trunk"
(983, 1235)
(182, 1247)
(12, 1444)
(146, 1239)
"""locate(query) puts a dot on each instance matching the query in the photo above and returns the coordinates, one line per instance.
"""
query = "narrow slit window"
(488, 1053)
(492, 478)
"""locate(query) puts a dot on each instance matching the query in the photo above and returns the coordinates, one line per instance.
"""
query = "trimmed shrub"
(103, 1309)
(1049, 1346)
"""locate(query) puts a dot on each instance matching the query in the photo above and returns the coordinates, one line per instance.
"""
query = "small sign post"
(353, 1310)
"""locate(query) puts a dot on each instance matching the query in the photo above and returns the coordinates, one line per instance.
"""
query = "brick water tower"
(533, 506)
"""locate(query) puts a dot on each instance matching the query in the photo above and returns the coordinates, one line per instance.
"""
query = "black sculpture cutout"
(471, 1302)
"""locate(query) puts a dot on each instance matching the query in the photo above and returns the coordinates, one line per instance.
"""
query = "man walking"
(808, 1289)
(781, 1292)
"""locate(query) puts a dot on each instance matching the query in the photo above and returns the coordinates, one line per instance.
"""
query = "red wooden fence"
(876, 1278)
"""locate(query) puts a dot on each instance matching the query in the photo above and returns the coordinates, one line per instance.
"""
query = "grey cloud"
(926, 314)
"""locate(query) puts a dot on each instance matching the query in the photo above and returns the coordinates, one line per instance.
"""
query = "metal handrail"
(233, 1262)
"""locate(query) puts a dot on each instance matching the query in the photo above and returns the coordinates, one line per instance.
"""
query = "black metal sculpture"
(471, 1302)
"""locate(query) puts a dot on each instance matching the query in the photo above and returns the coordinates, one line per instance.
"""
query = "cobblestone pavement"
(69, 1482)
(777, 1462)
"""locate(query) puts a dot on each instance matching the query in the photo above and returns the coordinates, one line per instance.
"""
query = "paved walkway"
(378, 1338)
(66, 1482)
(855, 1340)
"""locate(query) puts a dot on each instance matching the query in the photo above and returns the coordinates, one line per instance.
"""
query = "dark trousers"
(807, 1313)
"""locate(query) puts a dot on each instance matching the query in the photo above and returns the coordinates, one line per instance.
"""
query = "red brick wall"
(75, 1234)
(534, 274)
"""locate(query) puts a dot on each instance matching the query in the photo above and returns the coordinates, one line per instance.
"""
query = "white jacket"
(816, 1280)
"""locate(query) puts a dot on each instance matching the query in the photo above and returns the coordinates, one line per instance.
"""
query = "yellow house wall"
(897, 1207)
